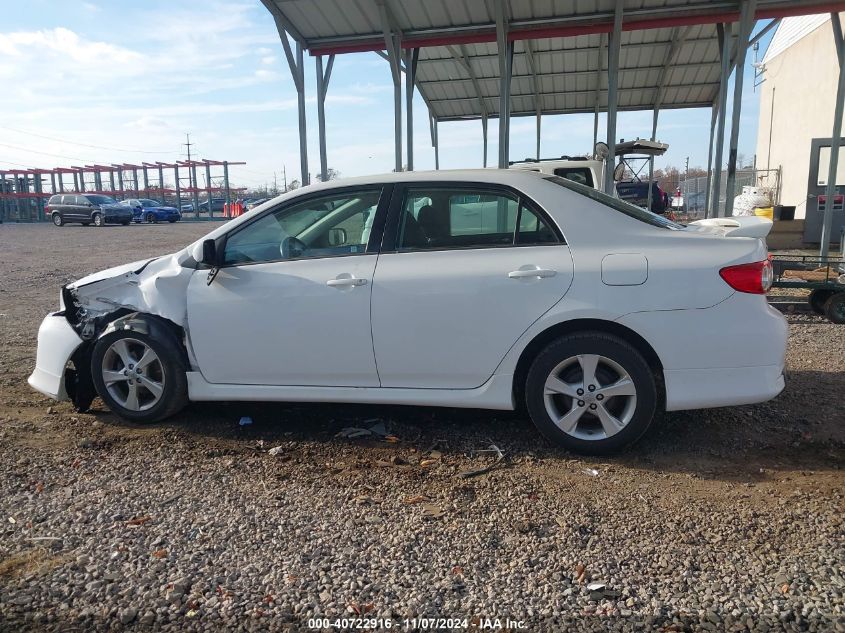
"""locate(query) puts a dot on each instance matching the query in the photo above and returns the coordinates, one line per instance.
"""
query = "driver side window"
(328, 226)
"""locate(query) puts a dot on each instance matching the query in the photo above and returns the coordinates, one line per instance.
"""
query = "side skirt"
(496, 393)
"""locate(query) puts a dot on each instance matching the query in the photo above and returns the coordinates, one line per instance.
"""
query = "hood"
(153, 286)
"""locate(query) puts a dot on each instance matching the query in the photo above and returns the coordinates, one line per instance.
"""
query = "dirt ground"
(776, 461)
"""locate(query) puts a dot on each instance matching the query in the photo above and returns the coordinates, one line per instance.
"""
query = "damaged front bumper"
(57, 343)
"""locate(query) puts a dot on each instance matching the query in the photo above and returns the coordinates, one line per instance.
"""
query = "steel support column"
(597, 97)
(412, 56)
(178, 204)
(746, 25)
(432, 126)
(195, 189)
(323, 78)
(505, 50)
(538, 107)
(835, 141)
(713, 114)
(226, 185)
(161, 186)
(297, 71)
(614, 45)
(484, 134)
(393, 46)
(208, 189)
(651, 158)
(720, 128)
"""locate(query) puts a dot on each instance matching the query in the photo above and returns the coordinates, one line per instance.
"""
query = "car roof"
(493, 176)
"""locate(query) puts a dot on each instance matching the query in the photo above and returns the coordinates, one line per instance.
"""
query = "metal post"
(52, 182)
(226, 184)
(713, 113)
(411, 58)
(505, 49)
(322, 87)
(61, 182)
(746, 25)
(208, 189)
(614, 45)
(178, 194)
(39, 201)
(111, 181)
(484, 132)
(120, 181)
(835, 140)
(720, 131)
(161, 186)
(651, 158)
(597, 97)
(432, 126)
(195, 186)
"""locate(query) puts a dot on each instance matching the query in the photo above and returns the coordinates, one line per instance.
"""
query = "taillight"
(755, 278)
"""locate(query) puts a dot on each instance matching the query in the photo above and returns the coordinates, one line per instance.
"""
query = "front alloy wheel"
(139, 377)
(591, 392)
(97, 219)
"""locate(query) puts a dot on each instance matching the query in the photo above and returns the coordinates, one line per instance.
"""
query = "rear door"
(464, 270)
(77, 208)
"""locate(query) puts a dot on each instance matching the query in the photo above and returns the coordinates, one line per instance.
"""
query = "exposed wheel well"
(581, 325)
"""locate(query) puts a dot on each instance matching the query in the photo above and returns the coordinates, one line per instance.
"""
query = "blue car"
(151, 211)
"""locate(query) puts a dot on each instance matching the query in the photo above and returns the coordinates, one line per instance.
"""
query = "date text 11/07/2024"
(416, 624)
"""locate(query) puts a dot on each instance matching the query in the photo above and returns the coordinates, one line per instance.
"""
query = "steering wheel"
(292, 247)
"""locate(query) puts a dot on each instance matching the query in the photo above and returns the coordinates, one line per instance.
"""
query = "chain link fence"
(694, 190)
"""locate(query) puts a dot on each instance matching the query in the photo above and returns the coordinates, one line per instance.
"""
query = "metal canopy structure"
(480, 59)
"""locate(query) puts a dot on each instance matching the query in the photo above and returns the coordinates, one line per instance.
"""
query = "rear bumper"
(729, 354)
(705, 388)
(57, 341)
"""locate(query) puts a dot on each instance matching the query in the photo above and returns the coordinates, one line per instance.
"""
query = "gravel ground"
(727, 519)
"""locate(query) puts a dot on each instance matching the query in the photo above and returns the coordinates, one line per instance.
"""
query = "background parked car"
(216, 205)
(87, 208)
(254, 203)
(151, 211)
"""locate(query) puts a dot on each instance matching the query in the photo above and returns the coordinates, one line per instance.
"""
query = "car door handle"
(540, 273)
(343, 282)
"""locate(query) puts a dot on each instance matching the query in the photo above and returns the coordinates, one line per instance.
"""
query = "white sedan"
(488, 288)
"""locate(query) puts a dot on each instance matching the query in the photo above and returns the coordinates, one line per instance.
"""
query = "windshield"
(101, 200)
(638, 213)
(149, 203)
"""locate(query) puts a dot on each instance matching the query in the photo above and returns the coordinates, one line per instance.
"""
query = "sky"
(98, 81)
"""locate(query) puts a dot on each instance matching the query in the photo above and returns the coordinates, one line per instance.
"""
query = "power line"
(26, 149)
(115, 149)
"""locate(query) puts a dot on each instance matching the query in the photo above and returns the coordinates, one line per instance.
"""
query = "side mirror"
(337, 237)
(209, 253)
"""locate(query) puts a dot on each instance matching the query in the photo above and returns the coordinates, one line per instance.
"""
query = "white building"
(797, 101)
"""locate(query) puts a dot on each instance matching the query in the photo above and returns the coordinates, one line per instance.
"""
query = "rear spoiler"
(742, 226)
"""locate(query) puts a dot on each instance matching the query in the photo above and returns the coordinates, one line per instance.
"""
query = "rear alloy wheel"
(591, 393)
(97, 219)
(58, 220)
(151, 218)
(139, 378)
(834, 309)
(818, 298)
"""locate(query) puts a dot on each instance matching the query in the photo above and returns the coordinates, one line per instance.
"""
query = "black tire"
(172, 368)
(172, 221)
(834, 308)
(642, 410)
(86, 224)
(151, 218)
(125, 222)
(818, 299)
(97, 219)
(58, 220)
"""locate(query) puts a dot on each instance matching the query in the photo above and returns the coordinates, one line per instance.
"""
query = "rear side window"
(638, 213)
(581, 175)
(54, 200)
(444, 218)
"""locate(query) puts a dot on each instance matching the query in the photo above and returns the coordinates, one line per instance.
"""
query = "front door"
(816, 196)
(471, 267)
(291, 304)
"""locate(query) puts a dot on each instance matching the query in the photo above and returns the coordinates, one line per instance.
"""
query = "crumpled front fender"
(57, 342)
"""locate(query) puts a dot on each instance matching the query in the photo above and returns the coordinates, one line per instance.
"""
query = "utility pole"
(275, 186)
(285, 177)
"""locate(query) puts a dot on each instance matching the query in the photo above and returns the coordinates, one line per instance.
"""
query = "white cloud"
(268, 59)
